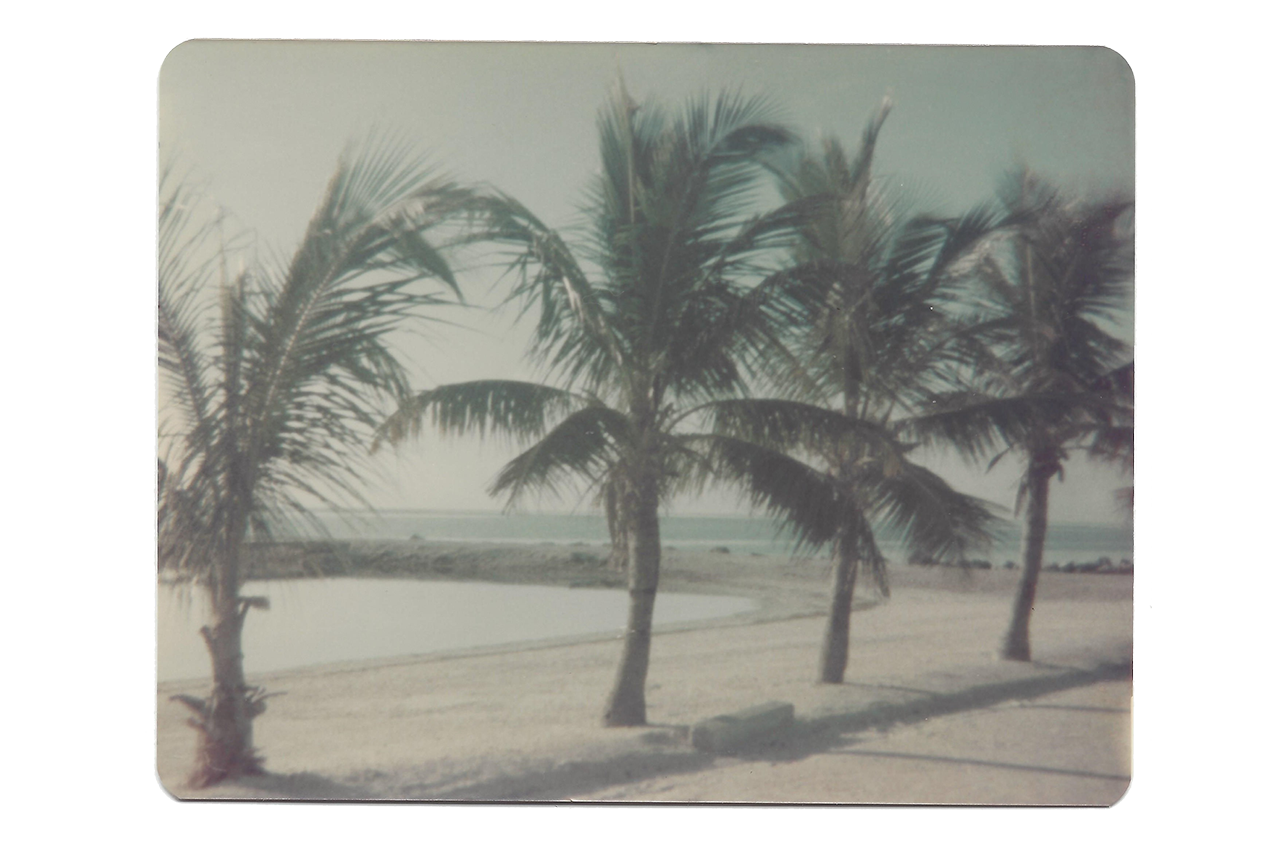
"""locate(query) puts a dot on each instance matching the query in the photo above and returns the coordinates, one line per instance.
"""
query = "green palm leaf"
(583, 448)
(934, 519)
(520, 410)
(979, 424)
(805, 499)
(799, 426)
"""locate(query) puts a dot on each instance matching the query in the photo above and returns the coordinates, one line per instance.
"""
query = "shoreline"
(780, 579)
(781, 584)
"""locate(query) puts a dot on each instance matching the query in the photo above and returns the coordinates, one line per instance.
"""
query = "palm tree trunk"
(1017, 640)
(626, 705)
(835, 639)
(618, 550)
(225, 746)
(224, 721)
(834, 655)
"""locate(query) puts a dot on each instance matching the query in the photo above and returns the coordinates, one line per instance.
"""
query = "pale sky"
(262, 124)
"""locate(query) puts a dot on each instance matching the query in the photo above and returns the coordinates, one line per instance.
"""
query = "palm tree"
(1045, 289)
(272, 381)
(658, 312)
(874, 341)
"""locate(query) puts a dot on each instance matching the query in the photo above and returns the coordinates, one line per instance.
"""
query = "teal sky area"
(261, 124)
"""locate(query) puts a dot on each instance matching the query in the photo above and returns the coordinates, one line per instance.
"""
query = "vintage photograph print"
(648, 423)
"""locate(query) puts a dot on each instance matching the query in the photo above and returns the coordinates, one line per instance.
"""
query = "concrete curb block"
(729, 732)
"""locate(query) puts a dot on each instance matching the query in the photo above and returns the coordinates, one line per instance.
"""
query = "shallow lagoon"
(328, 620)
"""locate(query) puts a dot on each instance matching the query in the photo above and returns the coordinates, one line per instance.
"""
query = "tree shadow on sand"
(981, 762)
(657, 751)
(285, 786)
(829, 733)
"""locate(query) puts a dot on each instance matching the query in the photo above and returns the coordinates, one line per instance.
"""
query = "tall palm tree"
(272, 384)
(874, 341)
(1048, 294)
(657, 313)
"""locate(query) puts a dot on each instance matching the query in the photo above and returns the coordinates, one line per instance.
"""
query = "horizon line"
(598, 514)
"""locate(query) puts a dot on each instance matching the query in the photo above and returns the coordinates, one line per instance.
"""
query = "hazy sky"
(262, 124)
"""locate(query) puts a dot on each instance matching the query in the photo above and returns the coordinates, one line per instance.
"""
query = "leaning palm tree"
(272, 383)
(1047, 295)
(661, 310)
(874, 341)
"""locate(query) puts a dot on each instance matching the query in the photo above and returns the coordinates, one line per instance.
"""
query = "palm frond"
(574, 329)
(328, 316)
(978, 424)
(931, 517)
(581, 448)
(798, 426)
(521, 410)
(1113, 436)
(806, 500)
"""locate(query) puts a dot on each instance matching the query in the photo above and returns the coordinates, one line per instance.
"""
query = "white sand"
(524, 724)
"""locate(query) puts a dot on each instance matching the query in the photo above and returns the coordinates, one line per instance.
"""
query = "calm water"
(1066, 542)
(326, 620)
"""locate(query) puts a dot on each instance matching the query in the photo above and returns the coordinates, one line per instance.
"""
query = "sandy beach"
(522, 722)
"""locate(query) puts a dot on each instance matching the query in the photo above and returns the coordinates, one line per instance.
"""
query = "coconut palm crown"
(272, 383)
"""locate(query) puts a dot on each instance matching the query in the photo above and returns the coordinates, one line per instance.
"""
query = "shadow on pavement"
(978, 762)
(826, 733)
(307, 787)
(572, 779)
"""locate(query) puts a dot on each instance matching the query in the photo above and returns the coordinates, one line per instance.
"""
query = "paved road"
(1067, 748)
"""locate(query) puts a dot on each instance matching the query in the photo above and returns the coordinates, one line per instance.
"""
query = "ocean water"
(754, 535)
